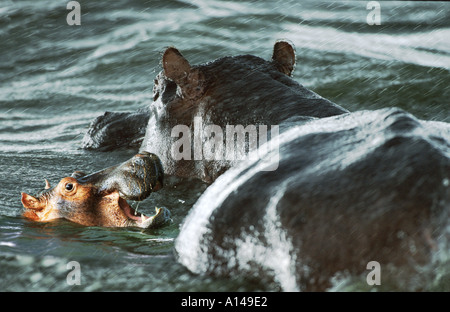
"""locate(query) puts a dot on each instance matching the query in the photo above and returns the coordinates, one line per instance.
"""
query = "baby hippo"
(99, 199)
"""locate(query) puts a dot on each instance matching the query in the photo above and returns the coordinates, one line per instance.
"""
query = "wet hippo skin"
(114, 130)
(360, 187)
(349, 188)
(238, 90)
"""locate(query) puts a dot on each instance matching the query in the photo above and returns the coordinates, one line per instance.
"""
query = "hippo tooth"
(136, 209)
(145, 223)
(149, 220)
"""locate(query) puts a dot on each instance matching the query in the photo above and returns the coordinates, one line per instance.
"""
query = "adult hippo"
(349, 190)
(240, 90)
(99, 199)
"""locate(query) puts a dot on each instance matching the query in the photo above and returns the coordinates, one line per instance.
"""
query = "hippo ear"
(177, 68)
(31, 202)
(284, 57)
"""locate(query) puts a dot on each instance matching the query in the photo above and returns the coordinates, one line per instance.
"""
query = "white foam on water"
(160, 239)
(430, 48)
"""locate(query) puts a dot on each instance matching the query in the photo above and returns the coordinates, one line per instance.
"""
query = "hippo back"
(249, 90)
(349, 189)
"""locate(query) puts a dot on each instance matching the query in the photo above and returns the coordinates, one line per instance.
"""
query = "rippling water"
(55, 79)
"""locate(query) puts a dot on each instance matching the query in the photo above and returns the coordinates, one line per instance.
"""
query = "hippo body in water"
(239, 90)
(99, 199)
(349, 190)
(114, 130)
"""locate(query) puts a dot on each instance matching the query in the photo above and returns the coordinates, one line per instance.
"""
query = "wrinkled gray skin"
(360, 187)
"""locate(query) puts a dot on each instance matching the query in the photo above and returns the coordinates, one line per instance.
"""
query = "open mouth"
(131, 213)
(140, 219)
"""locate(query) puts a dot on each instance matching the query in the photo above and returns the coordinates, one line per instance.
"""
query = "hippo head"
(184, 89)
(234, 90)
(99, 199)
(243, 88)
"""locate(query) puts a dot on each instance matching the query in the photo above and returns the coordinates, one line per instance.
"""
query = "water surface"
(55, 79)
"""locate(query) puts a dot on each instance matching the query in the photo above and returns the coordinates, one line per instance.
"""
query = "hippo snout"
(134, 179)
(100, 198)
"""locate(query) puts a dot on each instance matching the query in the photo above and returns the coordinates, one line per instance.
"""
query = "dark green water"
(55, 79)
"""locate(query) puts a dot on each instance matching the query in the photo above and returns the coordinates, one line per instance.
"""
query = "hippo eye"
(69, 187)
